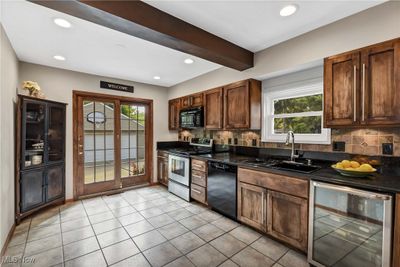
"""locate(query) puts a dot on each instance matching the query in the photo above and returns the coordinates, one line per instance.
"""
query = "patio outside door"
(111, 143)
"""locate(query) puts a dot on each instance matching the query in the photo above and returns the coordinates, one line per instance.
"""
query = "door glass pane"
(55, 133)
(98, 141)
(34, 137)
(132, 140)
(348, 229)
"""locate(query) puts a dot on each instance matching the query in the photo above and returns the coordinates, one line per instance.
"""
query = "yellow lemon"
(339, 165)
(354, 164)
(349, 169)
(346, 163)
(366, 167)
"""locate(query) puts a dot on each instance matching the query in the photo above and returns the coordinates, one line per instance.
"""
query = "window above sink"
(296, 105)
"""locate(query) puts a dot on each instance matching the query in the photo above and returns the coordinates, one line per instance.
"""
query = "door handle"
(355, 93)
(363, 92)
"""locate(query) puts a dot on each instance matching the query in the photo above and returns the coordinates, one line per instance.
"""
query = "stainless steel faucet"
(293, 157)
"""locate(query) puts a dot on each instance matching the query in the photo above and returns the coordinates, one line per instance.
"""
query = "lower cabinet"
(162, 168)
(41, 186)
(198, 187)
(269, 203)
(287, 219)
(55, 182)
(252, 203)
(32, 189)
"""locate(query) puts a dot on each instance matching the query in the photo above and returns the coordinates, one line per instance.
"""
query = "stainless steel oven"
(349, 227)
(179, 176)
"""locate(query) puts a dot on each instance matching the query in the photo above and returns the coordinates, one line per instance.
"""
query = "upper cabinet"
(213, 108)
(173, 114)
(242, 105)
(380, 84)
(361, 88)
(192, 101)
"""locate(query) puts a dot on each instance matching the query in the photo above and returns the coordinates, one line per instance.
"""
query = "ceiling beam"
(143, 21)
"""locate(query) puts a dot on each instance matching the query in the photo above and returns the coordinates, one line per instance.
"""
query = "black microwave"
(191, 118)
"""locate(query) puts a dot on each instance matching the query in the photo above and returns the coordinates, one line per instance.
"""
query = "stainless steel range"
(179, 166)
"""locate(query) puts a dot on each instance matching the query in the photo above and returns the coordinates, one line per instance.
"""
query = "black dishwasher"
(221, 188)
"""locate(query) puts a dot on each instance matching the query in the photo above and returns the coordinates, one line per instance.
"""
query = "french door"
(112, 143)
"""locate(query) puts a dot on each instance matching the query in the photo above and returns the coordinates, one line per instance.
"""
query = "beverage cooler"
(349, 227)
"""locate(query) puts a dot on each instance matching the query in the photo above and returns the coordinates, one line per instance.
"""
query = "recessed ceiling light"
(62, 23)
(288, 10)
(58, 57)
(188, 61)
(156, 77)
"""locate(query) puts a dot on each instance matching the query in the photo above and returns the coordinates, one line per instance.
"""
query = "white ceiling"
(94, 49)
(256, 25)
(91, 48)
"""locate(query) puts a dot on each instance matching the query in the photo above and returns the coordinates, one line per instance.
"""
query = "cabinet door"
(174, 108)
(55, 182)
(185, 102)
(196, 100)
(33, 134)
(213, 108)
(55, 133)
(341, 89)
(236, 101)
(162, 171)
(252, 205)
(32, 193)
(287, 219)
(380, 84)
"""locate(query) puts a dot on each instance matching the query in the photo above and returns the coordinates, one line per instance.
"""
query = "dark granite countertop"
(385, 180)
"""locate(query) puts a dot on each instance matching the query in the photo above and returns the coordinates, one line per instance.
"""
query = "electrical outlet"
(230, 141)
(387, 148)
(339, 146)
(235, 141)
(254, 142)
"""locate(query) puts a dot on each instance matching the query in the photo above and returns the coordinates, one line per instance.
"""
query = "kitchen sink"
(294, 166)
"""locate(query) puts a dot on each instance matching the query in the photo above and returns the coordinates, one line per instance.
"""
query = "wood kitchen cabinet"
(361, 87)
(396, 237)
(287, 219)
(252, 203)
(213, 108)
(380, 84)
(198, 189)
(275, 204)
(162, 167)
(242, 105)
(192, 101)
(173, 113)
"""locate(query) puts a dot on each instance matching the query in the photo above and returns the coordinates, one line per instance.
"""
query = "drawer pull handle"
(196, 191)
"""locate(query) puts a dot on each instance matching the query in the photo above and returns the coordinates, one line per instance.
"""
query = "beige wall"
(8, 82)
(58, 84)
(371, 26)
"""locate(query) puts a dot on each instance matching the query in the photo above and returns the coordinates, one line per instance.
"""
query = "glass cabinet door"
(34, 134)
(55, 134)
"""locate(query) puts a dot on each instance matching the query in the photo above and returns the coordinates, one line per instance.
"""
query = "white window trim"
(314, 87)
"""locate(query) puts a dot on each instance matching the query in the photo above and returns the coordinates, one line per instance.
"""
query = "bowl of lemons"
(353, 168)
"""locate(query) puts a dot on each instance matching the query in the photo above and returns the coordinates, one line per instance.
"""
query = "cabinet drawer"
(198, 193)
(199, 165)
(199, 178)
(280, 183)
(162, 154)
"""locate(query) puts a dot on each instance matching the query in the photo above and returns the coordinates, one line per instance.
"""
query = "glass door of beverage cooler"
(349, 227)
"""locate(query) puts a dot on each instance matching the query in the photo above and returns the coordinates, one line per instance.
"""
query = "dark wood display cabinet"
(40, 165)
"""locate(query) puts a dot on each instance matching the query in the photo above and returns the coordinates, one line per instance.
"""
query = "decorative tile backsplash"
(357, 141)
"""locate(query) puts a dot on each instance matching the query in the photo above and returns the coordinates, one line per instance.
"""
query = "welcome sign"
(116, 86)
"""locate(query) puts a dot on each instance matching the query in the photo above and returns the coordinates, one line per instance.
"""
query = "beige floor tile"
(77, 234)
(225, 224)
(50, 257)
(114, 236)
(130, 218)
(106, 226)
(161, 254)
(187, 242)
(152, 212)
(245, 234)
(135, 261)
(250, 257)
(120, 251)
(228, 245)
(139, 228)
(42, 232)
(208, 232)
(213, 258)
(172, 230)
(149, 240)
(41, 245)
(94, 259)
(270, 248)
(192, 222)
(180, 262)
(79, 248)
(160, 220)
(101, 217)
(293, 259)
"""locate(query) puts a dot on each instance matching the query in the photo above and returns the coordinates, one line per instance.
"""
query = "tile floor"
(142, 227)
